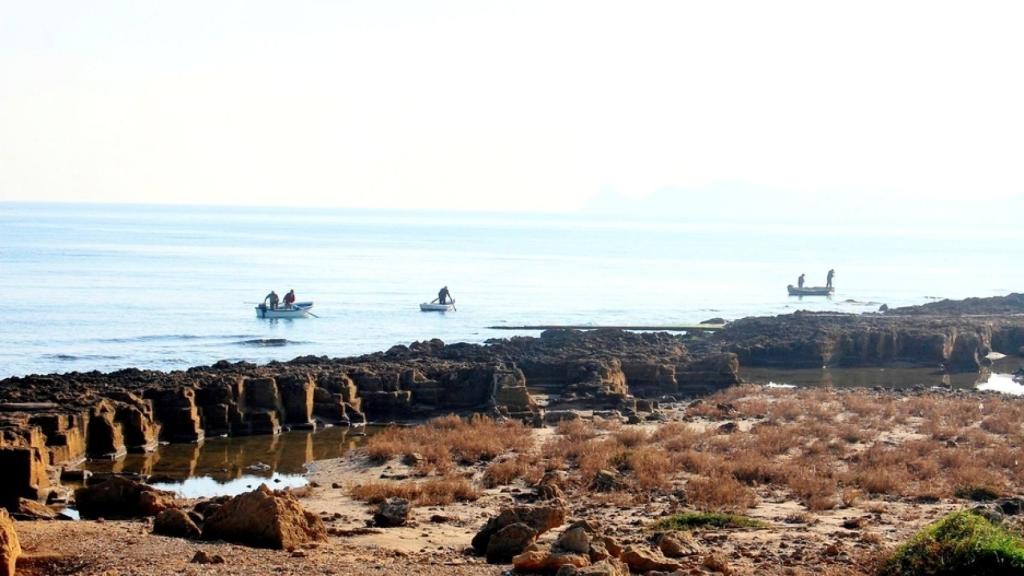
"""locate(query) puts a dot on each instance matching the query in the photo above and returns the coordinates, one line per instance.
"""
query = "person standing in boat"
(800, 281)
(272, 297)
(828, 279)
(289, 299)
(443, 296)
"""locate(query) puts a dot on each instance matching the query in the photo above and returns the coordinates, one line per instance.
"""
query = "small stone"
(204, 557)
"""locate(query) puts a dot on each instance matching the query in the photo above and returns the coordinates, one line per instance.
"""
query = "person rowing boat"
(443, 296)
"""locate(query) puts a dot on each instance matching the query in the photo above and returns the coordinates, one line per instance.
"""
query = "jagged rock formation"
(956, 336)
(48, 422)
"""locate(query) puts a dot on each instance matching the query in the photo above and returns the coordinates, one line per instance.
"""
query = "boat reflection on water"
(232, 465)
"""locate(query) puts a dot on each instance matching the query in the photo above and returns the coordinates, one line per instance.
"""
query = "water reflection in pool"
(232, 465)
(999, 378)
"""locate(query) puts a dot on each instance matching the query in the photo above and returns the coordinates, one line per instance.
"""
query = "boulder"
(534, 561)
(677, 544)
(177, 524)
(119, 497)
(644, 560)
(609, 567)
(509, 542)
(540, 518)
(574, 539)
(10, 548)
(264, 519)
(605, 481)
(392, 512)
(32, 510)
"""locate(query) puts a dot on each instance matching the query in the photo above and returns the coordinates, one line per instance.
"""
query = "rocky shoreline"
(49, 424)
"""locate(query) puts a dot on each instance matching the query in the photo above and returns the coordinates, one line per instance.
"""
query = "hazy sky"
(519, 105)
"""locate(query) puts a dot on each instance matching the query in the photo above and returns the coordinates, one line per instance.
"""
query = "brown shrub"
(719, 492)
(502, 472)
(693, 461)
(576, 430)
(599, 454)
(1000, 424)
(631, 437)
(650, 466)
(786, 409)
(752, 468)
(676, 436)
(814, 488)
(775, 440)
(433, 492)
(442, 441)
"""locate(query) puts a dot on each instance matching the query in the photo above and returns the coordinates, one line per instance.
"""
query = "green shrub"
(960, 543)
(693, 520)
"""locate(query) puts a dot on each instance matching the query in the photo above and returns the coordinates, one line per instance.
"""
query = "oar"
(454, 309)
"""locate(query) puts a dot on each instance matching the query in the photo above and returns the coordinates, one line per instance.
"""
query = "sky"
(715, 108)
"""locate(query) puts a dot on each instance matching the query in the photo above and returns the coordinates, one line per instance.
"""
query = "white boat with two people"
(810, 290)
(297, 310)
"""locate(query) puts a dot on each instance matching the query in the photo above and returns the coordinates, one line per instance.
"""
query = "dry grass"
(432, 492)
(825, 448)
(719, 493)
(443, 442)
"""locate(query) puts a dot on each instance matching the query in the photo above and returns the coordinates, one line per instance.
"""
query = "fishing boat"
(297, 310)
(810, 290)
(435, 307)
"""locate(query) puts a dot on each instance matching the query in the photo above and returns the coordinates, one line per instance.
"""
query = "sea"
(104, 287)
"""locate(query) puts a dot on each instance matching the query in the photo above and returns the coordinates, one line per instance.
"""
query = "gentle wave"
(74, 357)
(268, 342)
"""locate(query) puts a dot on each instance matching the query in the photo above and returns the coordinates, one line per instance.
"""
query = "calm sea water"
(105, 287)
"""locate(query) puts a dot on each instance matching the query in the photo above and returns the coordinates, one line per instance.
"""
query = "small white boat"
(434, 307)
(810, 290)
(297, 310)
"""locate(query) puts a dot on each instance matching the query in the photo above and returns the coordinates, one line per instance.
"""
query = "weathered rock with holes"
(10, 547)
(264, 519)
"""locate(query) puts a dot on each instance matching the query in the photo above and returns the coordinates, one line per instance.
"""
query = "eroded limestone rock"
(264, 519)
